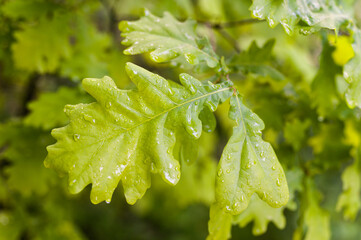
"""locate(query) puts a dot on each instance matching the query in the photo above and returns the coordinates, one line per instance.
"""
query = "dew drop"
(228, 171)
(235, 205)
(248, 166)
(169, 151)
(274, 167)
(76, 137)
(171, 92)
(108, 201)
(264, 195)
(220, 172)
(222, 181)
(108, 105)
(228, 156)
(242, 198)
(278, 182)
(89, 118)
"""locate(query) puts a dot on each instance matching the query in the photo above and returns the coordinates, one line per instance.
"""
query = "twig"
(233, 42)
(230, 24)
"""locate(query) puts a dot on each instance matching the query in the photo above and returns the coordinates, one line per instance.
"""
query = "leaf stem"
(231, 40)
(231, 23)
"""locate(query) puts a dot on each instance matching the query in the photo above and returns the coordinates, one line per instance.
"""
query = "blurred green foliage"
(296, 84)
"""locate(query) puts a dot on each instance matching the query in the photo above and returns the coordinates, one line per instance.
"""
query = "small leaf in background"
(343, 49)
(248, 165)
(316, 219)
(52, 45)
(127, 134)
(256, 60)
(166, 39)
(324, 92)
(25, 150)
(295, 132)
(261, 214)
(350, 199)
(89, 52)
(220, 224)
(52, 105)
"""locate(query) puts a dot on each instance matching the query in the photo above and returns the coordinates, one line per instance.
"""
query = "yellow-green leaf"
(127, 134)
(248, 165)
(166, 39)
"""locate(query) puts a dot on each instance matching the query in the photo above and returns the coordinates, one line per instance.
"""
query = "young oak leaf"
(248, 165)
(350, 201)
(166, 39)
(256, 61)
(52, 45)
(324, 90)
(220, 223)
(316, 219)
(306, 15)
(261, 213)
(127, 134)
(51, 105)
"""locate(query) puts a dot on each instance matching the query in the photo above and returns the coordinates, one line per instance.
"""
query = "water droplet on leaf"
(76, 137)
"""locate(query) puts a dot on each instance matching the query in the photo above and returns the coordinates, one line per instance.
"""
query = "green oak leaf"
(52, 105)
(261, 213)
(307, 15)
(350, 201)
(352, 73)
(220, 224)
(248, 165)
(256, 60)
(127, 134)
(166, 39)
(295, 132)
(44, 54)
(26, 151)
(316, 219)
(89, 53)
